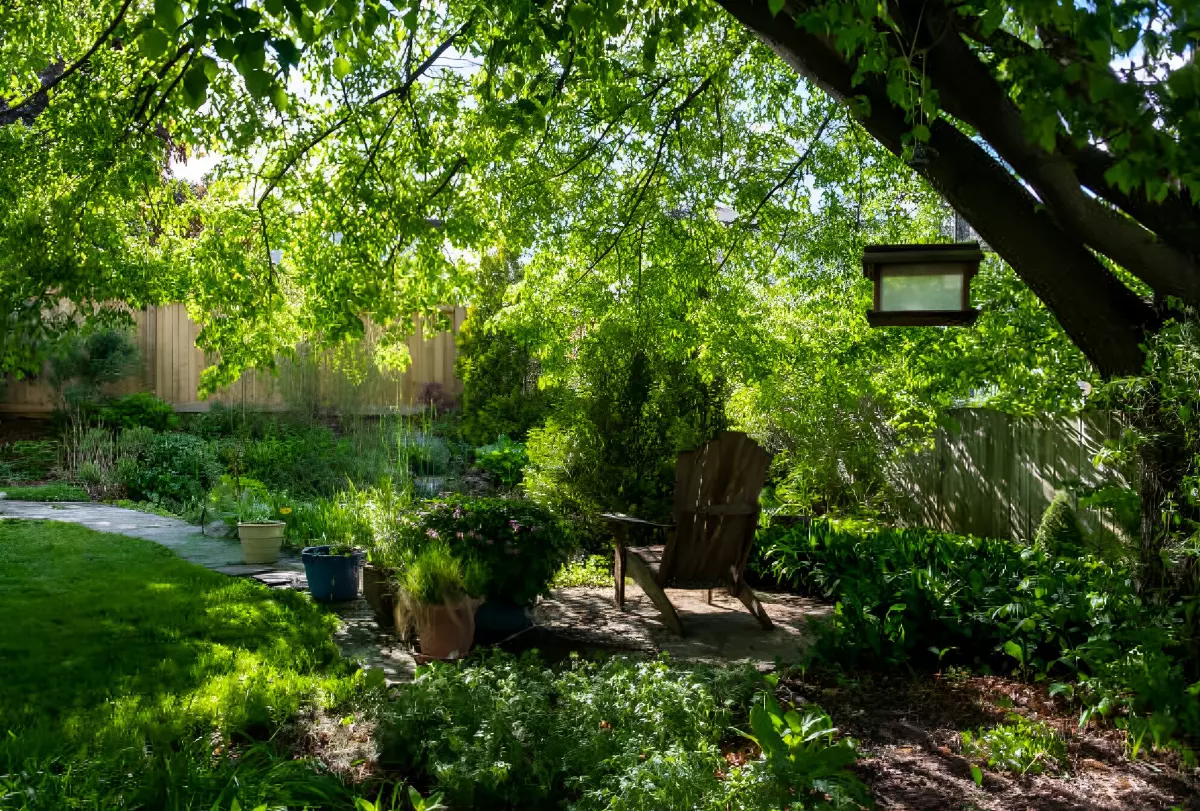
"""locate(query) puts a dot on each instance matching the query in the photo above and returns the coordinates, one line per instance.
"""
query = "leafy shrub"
(1020, 746)
(501, 394)
(1059, 532)
(30, 460)
(911, 596)
(622, 733)
(611, 442)
(46, 492)
(426, 454)
(520, 544)
(85, 361)
(594, 570)
(801, 752)
(171, 468)
(139, 409)
(504, 459)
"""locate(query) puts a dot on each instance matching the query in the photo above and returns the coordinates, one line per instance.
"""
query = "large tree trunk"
(1051, 240)
(1104, 318)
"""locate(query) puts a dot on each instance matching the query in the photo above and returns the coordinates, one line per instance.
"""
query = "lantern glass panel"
(929, 287)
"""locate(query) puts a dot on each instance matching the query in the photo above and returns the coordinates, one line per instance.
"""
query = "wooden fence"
(994, 475)
(347, 382)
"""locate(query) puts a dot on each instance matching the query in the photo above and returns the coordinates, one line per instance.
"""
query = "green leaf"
(286, 52)
(195, 86)
(776, 6)
(225, 49)
(977, 775)
(258, 82)
(342, 67)
(168, 14)
(273, 7)
(279, 98)
(1014, 650)
(580, 16)
(153, 43)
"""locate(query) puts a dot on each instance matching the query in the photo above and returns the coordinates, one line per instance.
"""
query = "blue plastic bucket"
(332, 578)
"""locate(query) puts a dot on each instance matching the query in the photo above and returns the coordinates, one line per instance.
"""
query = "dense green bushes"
(612, 442)
(617, 734)
(520, 545)
(920, 597)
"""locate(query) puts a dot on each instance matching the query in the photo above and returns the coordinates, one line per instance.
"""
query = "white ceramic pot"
(261, 542)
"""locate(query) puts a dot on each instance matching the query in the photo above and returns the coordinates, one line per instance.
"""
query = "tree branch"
(401, 90)
(1101, 315)
(13, 113)
(969, 92)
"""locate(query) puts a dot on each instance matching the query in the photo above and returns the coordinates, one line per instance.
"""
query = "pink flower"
(515, 526)
(431, 532)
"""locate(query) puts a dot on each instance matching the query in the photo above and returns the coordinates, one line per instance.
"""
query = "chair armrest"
(629, 520)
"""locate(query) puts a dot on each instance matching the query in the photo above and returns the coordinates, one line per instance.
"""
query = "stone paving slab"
(723, 631)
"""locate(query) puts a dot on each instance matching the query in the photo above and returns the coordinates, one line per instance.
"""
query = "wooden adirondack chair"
(716, 514)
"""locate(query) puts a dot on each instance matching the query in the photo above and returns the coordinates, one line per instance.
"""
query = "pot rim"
(262, 523)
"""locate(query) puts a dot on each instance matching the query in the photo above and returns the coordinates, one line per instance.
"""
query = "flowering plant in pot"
(261, 535)
(521, 545)
(437, 593)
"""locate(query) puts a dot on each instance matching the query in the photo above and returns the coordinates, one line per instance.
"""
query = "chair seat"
(650, 555)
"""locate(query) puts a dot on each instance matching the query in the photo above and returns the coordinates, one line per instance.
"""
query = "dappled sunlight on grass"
(116, 650)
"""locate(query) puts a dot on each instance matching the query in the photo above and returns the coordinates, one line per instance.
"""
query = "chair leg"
(619, 574)
(750, 600)
(645, 578)
(710, 596)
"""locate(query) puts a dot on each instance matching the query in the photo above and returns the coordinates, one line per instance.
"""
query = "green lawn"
(126, 668)
(45, 492)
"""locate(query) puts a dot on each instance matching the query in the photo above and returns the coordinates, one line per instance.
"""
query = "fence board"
(992, 474)
(171, 367)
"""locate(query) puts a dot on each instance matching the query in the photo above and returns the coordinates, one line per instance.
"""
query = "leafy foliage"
(504, 459)
(30, 459)
(83, 363)
(1020, 746)
(1059, 532)
(914, 596)
(172, 468)
(624, 733)
(801, 753)
(46, 492)
(139, 409)
(496, 363)
(520, 545)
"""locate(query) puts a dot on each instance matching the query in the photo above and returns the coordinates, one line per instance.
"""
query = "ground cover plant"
(135, 679)
(502, 732)
(57, 491)
(929, 599)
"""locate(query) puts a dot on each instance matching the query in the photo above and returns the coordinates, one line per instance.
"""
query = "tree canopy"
(372, 149)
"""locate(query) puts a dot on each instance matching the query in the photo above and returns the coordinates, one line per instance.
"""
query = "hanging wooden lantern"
(922, 285)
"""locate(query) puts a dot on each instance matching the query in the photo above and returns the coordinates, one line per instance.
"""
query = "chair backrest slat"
(716, 512)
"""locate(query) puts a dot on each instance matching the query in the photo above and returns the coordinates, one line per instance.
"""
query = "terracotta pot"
(377, 591)
(261, 542)
(443, 631)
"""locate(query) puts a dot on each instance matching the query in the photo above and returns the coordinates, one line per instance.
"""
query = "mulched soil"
(908, 732)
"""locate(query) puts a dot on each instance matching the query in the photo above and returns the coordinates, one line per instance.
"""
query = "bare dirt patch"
(908, 731)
